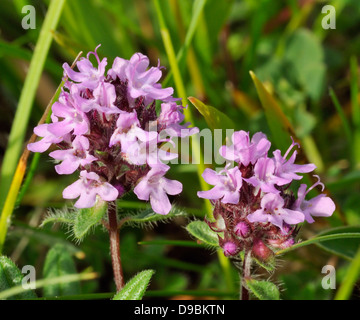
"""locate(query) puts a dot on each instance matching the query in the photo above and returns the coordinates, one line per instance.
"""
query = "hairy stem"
(244, 293)
(115, 246)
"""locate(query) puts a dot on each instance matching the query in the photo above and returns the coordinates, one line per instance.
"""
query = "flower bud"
(242, 229)
(230, 248)
(261, 251)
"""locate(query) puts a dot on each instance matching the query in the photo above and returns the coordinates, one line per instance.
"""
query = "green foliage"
(202, 232)
(263, 290)
(342, 241)
(87, 218)
(148, 218)
(59, 263)
(305, 58)
(343, 246)
(11, 276)
(214, 118)
(278, 123)
(136, 287)
(79, 221)
(208, 48)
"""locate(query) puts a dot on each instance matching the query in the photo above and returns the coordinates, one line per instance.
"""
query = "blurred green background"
(311, 72)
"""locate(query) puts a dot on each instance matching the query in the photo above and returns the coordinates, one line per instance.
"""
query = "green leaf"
(279, 124)
(87, 218)
(269, 265)
(214, 118)
(344, 246)
(64, 216)
(136, 287)
(263, 290)
(306, 58)
(11, 276)
(79, 221)
(59, 263)
(148, 216)
(201, 231)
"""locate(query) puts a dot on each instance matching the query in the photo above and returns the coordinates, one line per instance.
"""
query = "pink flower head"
(156, 187)
(319, 206)
(227, 185)
(73, 158)
(245, 151)
(106, 126)
(88, 76)
(273, 211)
(88, 187)
(254, 207)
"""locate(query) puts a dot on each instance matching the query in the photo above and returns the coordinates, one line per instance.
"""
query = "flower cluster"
(254, 208)
(106, 127)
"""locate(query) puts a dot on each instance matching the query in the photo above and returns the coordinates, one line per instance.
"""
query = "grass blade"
(350, 279)
(179, 84)
(13, 195)
(22, 115)
(354, 89)
(279, 124)
(53, 281)
(339, 109)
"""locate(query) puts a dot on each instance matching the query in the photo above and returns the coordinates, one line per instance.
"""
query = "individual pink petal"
(107, 192)
(160, 202)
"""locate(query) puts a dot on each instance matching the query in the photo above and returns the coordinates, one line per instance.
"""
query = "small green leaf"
(201, 231)
(148, 216)
(263, 290)
(269, 265)
(59, 263)
(11, 276)
(136, 287)
(214, 118)
(64, 216)
(87, 218)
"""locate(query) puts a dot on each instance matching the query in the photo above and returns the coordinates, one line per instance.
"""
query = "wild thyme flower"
(107, 128)
(254, 207)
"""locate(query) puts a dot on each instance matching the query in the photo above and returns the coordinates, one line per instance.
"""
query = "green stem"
(319, 239)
